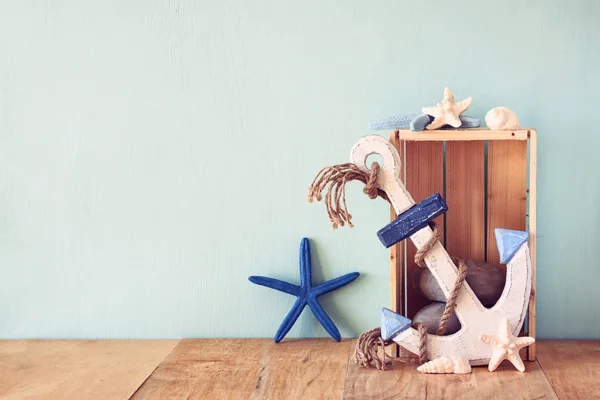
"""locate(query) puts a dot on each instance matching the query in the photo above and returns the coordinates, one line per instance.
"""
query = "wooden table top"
(261, 369)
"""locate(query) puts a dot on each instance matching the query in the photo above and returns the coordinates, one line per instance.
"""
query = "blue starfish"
(306, 293)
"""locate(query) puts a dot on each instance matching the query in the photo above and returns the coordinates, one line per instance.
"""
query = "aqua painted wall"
(153, 154)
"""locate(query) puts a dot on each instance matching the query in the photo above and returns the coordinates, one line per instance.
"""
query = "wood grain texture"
(87, 369)
(532, 226)
(465, 196)
(446, 135)
(397, 254)
(572, 367)
(261, 369)
(424, 163)
(403, 381)
(397, 250)
(241, 369)
(507, 190)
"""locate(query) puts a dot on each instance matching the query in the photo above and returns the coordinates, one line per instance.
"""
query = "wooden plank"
(507, 190)
(532, 237)
(403, 381)
(508, 383)
(250, 368)
(572, 367)
(446, 135)
(465, 196)
(82, 369)
(396, 251)
(397, 255)
(424, 163)
(399, 381)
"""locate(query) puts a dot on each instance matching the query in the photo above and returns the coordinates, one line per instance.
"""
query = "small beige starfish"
(447, 112)
(506, 346)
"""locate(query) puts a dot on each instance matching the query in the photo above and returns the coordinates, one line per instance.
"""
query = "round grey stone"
(486, 280)
(430, 317)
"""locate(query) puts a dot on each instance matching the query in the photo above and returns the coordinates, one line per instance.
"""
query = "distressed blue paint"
(306, 294)
(412, 220)
(509, 242)
(392, 324)
(417, 122)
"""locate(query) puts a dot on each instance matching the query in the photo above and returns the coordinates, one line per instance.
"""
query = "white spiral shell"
(501, 118)
(446, 365)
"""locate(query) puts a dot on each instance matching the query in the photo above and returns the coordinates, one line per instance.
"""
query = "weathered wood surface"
(444, 135)
(397, 294)
(532, 226)
(572, 367)
(82, 369)
(258, 369)
(403, 381)
(507, 190)
(465, 196)
(486, 280)
(397, 252)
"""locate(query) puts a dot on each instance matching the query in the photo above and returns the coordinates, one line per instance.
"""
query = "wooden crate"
(488, 178)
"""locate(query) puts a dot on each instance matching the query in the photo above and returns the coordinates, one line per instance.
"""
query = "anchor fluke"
(392, 324)
(509, 242)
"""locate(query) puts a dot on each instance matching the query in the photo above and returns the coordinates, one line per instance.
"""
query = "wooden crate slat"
(424, 163)
(465, 196)
(507, 190)
(532, 238)
(465, 134)
(397, 250)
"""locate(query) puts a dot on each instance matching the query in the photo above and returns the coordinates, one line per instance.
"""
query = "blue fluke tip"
(392, 324)
(509, 242)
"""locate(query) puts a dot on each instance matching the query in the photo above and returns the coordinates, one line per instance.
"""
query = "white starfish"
(505, 346)
(447, 112)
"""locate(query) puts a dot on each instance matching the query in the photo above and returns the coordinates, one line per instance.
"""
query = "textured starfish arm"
(333, 284)
(462, 106)
(496, 359)
(505, 329)
(517, 362)
(324, 319)
(453, 121)
(448, 96)
(305, 265)
(490, 340)
(430, 111)
(276, 284)
(524, 341)
(435, 124)
(290, 319)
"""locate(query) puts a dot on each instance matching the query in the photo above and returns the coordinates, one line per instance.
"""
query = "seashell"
(446, 365)
(501, 118)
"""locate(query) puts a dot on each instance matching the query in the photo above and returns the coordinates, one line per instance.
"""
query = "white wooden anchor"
(475, 319)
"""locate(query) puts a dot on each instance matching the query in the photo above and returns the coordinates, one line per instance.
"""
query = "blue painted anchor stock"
(412, 220)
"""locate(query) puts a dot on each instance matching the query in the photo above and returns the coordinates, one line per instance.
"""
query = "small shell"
(446, 365)
(501, 118)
